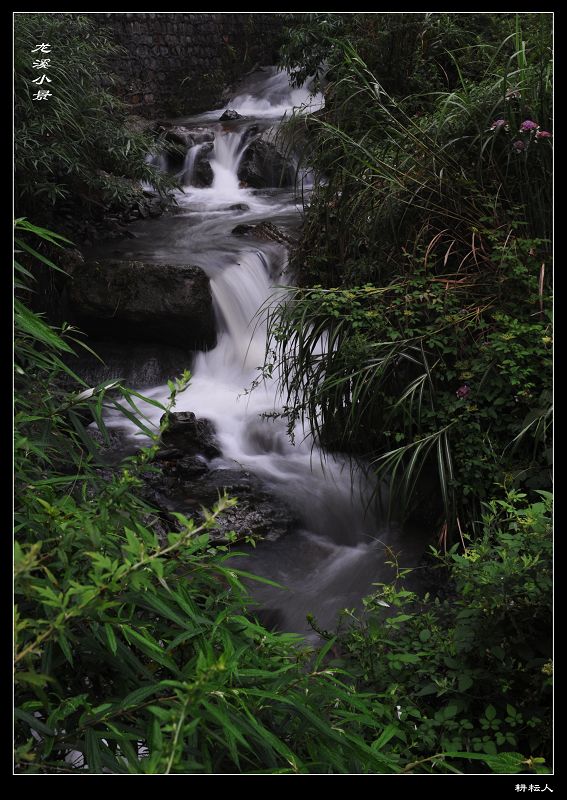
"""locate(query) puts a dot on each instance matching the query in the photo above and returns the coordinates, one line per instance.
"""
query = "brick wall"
(209, 51)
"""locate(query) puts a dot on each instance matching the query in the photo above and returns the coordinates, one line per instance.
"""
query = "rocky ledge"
(143, 302)
(187, 479)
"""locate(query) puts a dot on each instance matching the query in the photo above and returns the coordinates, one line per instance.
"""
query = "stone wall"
(180, 63)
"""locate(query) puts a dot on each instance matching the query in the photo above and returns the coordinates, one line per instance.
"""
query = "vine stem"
(177, 732)
(409, 767)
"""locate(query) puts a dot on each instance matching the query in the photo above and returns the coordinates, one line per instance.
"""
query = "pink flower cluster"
(528, 126)
(463, 391)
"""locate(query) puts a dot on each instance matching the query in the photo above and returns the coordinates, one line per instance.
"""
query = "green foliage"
(376, 371)
(414, 53)
(471, 672)
(74, 150)
(435, 225)
(136, 650)
(395, 177)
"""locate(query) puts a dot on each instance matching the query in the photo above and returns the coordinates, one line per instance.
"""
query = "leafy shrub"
(415, 54)
(74, 150)
(471, 672)
(431, 360)
(453, 373)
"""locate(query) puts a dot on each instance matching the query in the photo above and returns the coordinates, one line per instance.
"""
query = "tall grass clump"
(420, 340)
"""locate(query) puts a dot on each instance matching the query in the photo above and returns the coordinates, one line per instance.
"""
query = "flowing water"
(337, 551)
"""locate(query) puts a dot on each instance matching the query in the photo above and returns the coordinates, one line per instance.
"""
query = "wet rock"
(230, 114)
(264, 164)
(203, 175)
(168, 454)
(148, 204)
(176, 464)
(114, 447)
(134, 363)
(138, 124)
(242, 230)
(183, 482)
(249, 134)
(201, 135)
(178, 134)
(264, 231)
(143, 302)
(239, 207)
(155, 207)
(271, 618)
(70, 259)
(190, 435)
(190, 467)
(258, 513)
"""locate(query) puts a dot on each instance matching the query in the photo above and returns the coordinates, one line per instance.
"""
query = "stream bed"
(337, 548)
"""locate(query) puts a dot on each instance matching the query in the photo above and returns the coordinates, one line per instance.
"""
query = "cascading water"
(186, 173)
(228, 152)
(157, 161)
(332, 559)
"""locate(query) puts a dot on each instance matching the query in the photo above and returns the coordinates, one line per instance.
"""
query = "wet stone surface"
(182, 480)
(188, 486)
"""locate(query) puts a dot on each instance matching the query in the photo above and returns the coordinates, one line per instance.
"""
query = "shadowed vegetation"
(75, 152)
(423, 341)
(419, 341)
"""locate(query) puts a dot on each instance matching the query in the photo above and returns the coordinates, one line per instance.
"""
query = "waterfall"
(228, 153)
(186, 172)
(268, 94)
(337, 550)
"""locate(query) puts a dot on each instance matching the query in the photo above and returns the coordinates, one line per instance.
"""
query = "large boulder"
(201, 135)
(144, 302)
(184, 482)
(181, 138)
(135, 363)
(186, 485)
(189, 435)
(183, 134)
(264, 164)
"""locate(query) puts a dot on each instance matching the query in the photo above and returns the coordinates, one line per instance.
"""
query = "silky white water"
(267, 94)
(337, 552)
(186, 173)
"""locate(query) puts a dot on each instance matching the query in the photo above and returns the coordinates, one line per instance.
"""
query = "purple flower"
(499, 123)
(543, 135)
(528, 125)
(463, 391)
(519, 146)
